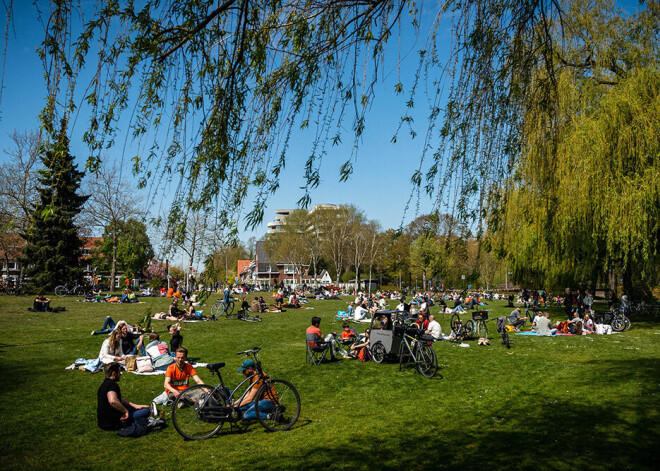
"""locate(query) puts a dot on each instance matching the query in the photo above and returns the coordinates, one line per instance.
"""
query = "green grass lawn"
(550, 403)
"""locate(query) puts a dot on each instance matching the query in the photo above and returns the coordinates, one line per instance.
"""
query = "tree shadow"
(550, 433)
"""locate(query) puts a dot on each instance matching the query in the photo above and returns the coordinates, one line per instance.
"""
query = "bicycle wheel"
(470, 329)
(377, 352)
(618, 325)
(230, 308)
(627, 322)
(426, 359)
(188, 416)
(79, 291)
(284, 412)
(216, 309)
(454, 323)
(61, 291)
(482, 329)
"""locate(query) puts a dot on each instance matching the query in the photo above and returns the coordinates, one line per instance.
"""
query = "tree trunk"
(113, 270)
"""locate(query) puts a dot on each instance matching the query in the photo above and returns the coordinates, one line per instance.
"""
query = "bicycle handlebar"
(251, 351)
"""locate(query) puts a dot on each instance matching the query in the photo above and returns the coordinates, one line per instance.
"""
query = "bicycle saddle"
(215, 366)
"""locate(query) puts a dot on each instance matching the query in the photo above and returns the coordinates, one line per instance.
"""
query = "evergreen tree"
(54, 248)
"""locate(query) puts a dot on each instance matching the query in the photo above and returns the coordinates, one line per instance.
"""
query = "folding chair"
(344, 345)
(317, 349)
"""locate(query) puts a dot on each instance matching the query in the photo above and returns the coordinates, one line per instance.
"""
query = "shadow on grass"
(547, 431)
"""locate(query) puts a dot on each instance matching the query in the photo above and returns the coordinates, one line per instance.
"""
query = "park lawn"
(551, 403)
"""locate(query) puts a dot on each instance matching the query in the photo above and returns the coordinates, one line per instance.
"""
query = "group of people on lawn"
(115, 412)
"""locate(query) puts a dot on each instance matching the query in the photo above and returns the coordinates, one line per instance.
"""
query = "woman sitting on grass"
(111, 349)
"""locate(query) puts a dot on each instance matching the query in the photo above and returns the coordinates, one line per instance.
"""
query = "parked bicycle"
(475, 327)
(220, 308)
(417, 347)
(65, 290)
(200, 411)
(616, 318)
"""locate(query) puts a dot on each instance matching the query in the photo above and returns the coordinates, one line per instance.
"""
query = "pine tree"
(54, 248)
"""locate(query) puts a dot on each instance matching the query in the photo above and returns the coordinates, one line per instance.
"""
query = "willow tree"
(584, 199)
(212, 92)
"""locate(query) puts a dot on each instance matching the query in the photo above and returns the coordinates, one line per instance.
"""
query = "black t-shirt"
(177, 340)
(107, 416)
(127, 344)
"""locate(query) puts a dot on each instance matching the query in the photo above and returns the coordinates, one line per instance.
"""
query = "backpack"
(363, 354)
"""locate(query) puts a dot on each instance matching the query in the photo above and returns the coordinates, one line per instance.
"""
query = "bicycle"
(418, 348)
(475, 327)
(200, 411)
(64, 290)
(617, 319)
(220, 308)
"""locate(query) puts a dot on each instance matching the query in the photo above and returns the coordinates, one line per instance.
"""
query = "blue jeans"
(249, 412)
(108, 326)
(138, 413)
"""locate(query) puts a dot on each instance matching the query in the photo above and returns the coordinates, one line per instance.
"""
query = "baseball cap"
(249, 363)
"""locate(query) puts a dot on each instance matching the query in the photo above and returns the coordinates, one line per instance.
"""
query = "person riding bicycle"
(248, 402)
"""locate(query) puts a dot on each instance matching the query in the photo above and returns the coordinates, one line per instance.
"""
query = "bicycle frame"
(234, 415)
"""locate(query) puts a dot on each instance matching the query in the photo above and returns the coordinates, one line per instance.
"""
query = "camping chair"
(344, 345)
(316, 354)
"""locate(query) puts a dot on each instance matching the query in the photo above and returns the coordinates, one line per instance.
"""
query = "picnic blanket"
(537, 335)
(187, 320)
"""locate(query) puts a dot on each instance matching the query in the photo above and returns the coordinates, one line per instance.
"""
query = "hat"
(249, 363)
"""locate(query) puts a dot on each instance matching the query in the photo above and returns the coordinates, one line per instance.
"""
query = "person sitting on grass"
(248, 402)
(41, 304)
(588, 324)
(255, 306)
(111, 349)
(262, 304)
(178, 374)
(542, 324)
(421, 322)
(515, 320)
(361, 346)
(177, 339)
(434, 329)
(128, 337)
(361, 312)
(113, 412)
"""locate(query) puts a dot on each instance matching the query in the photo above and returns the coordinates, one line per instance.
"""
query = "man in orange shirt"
(320, 343)
(178, 374)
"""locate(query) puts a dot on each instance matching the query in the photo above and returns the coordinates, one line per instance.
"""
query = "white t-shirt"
(360, 313)
(435, 330)
(400, 307)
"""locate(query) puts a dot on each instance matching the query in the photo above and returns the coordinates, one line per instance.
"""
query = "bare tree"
(193, 236)
(18, 192)
(112, 202)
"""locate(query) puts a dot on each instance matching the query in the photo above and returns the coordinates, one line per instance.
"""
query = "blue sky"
(380, 184)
